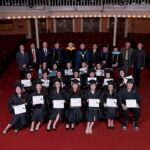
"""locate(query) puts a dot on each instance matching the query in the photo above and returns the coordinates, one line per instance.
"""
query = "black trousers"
(136, 114)
(137, 76)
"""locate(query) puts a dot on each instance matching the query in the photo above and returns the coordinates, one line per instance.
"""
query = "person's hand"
(142, 68)
(104, 62)
(124, 107)
(24, 65)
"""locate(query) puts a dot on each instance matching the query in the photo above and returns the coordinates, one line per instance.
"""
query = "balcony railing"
(76, 4)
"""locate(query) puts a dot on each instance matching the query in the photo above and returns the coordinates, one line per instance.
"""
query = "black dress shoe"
(48, 130)
(54, 129)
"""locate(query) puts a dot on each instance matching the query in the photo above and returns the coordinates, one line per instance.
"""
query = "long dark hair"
(72, 90)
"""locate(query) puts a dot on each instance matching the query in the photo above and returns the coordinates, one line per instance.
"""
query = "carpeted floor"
(101, 139)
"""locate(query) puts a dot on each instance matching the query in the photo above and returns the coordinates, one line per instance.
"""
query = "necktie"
(34, 55)
(45, 50)
(126, 56)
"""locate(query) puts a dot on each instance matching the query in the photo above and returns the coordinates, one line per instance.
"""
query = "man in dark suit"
(138, 62)
(127, 56)
(95, 55)
(57, 55)
(33, 57)
(22, 59)
(44, 54)
(106, 57)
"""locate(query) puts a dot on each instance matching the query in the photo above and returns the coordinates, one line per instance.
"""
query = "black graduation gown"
(53, 112)
(29, 90)
(119, 84)
(124, 94)
(109, 112)
(19, 120)
(74, 114)
(92, 114)
(39, 110)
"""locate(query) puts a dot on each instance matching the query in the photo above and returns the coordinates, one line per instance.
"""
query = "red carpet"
(102, 138)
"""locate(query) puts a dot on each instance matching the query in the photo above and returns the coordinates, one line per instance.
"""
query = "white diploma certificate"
(89, 79)
(20, 109)
(131, 103)
(38, 100)
(68, 72)
(94, 102)
(100, 73)
(83, 70)
(26, 83)
(75, 102)
(126, 78)
(110, 102)
(106, 81)
(58, 103)
(45, 83)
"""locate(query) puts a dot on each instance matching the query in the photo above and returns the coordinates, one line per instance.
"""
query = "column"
(37, 33)
(115, 31)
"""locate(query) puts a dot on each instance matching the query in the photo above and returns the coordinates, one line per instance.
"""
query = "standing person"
(44, 54)
(129, 93)
(22, 59)
(127, 57)
(56, 114)
(57, 55)
(19, 120)
(92, 113)
(95, 55)
(106, 57)
(70, 53)
(82, 55)
(138, 63)
(33, 57)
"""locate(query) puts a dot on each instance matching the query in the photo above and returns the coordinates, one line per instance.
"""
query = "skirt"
(93, 114)
(38, 115)
(74, 115)
(54, 112)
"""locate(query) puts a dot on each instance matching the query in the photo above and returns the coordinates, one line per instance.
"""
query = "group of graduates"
(74, 94)
(114, 58)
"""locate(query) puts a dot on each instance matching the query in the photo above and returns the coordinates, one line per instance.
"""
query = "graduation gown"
(19, 120)
(92, 114)
(109, 112)
(74, 114)
(39, 110)
(125, 94)
(122, 96)
(53, 112)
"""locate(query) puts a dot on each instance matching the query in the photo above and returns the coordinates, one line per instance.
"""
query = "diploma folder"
(75, 102)
(20, 109)
(38, 100)
(94, 103)
(58, 104)
(131, 103)
(110, 102)
(26, 83)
